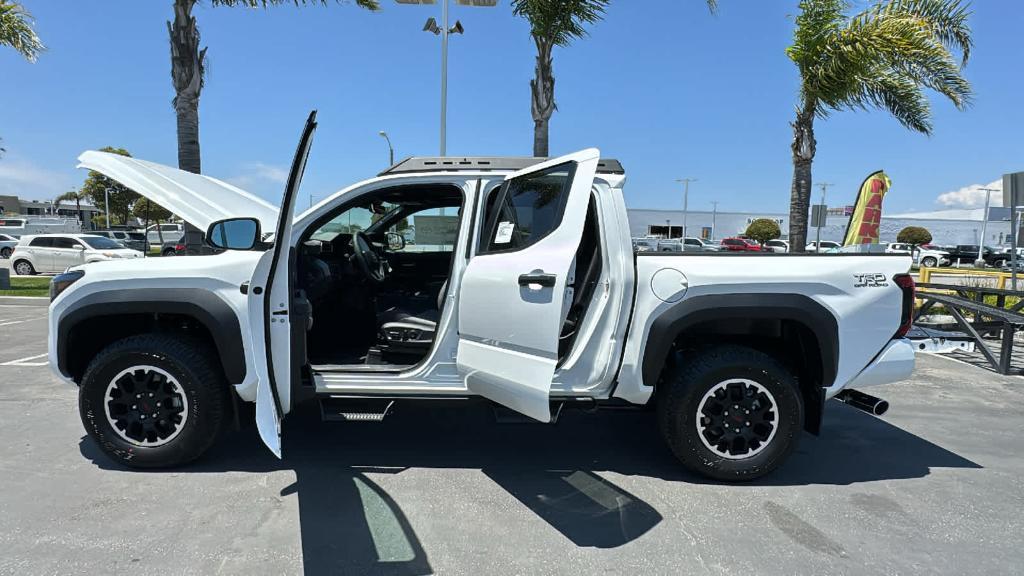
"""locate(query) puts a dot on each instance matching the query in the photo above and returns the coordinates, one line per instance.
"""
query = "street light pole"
(984, 225)
(686, 199)
(391, 149)
(714, 216)
(824, 188)
(443, 31)
(106, 205)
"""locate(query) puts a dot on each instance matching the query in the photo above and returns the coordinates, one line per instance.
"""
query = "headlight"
(61, 282)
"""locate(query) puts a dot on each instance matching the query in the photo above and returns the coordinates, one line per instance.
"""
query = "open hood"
(196, 199)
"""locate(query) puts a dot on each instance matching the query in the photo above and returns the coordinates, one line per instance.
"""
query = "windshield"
(101, 243)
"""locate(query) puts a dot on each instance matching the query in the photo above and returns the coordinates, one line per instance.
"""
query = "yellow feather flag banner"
(867, 212)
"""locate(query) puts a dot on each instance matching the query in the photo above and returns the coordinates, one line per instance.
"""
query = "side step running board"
(339, 410)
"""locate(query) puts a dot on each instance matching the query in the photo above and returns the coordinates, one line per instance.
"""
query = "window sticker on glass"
(504, 234)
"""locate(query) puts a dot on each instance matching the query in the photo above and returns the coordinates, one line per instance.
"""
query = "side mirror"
(395, 241)
(79, 247)
(234, 234)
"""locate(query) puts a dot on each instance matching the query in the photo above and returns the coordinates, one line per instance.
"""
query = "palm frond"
(368, 4)
(884, 57)
(16, 30)
(560, 21)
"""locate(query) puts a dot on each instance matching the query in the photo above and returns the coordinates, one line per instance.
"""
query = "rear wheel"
(153, 401)
(24, 268)
(170, 252)
(730, 412)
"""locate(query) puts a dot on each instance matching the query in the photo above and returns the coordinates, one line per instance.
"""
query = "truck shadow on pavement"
(349, 524)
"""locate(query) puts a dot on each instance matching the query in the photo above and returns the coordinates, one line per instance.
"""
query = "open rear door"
(513, 293)
(270, 293)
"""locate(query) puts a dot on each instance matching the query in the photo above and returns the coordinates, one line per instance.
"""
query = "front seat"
(411, 330)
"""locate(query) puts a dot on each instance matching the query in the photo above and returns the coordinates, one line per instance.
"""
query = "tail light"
(906, 284)
(179, 247)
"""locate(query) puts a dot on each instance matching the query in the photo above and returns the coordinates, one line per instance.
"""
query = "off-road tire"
(208, 404)
(692, 375)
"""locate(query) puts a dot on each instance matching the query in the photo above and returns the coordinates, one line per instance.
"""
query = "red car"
(740, 245)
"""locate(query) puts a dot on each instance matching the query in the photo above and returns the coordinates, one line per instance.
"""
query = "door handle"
(541, 278)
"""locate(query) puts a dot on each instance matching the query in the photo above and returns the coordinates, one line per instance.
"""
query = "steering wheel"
(373, 267)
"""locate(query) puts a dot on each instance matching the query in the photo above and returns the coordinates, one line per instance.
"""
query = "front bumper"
(894, 363)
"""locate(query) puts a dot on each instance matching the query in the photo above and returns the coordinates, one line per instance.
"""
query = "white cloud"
(258, 174)
(972, 196)
(24, 179)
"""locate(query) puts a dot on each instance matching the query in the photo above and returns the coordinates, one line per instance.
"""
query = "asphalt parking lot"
(936, 487)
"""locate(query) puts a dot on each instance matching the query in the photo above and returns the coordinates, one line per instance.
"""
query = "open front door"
(270, 293)
(512, 302)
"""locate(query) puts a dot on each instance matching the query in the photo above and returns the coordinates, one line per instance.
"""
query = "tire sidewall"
(689, 447)
(198, 424)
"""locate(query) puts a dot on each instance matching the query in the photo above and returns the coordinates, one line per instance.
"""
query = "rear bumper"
(894, 363)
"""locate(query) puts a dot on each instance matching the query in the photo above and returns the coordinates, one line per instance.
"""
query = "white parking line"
(23, 320)
(25, 361)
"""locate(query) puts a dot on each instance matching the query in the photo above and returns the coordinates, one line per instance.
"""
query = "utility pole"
(824, 189)
(714, 216)
(686, 198)
(984, 225)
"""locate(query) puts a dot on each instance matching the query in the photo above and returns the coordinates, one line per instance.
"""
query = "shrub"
(763, 230)
(915, 235)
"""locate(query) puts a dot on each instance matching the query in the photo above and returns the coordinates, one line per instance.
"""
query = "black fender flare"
(203, 305)
(698, 309)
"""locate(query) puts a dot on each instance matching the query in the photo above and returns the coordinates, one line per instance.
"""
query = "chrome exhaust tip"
(865, 402)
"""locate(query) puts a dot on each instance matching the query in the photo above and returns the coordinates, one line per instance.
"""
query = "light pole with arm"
(391, 149)
(686, 198)
(443, 31)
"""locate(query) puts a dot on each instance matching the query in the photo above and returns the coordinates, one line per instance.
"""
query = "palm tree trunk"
(800, 194)
(542, 91)
(187, 66)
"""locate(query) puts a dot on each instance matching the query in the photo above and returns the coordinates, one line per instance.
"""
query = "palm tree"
(188, 63)
(555, 23)
(884, 57)
(70, 195)
(16, 30)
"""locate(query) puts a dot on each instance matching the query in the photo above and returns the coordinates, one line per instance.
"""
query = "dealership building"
(948, 227)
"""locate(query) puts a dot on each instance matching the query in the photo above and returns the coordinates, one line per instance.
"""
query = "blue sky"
(662, 85)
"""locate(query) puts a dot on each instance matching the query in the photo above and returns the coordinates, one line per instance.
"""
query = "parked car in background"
(167, 233)
(899, 248)
(968, 254)
(740, 245)
(929, 257)
(645, 244)
(7, 244)
(823, 246)
(172, 248)
(694, 244)
(133, 240)
(776, 246)
(49, 253)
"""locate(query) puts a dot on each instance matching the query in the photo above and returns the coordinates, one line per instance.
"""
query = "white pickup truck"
(507, 279)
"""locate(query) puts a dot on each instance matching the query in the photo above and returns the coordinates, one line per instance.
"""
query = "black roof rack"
(485, 163)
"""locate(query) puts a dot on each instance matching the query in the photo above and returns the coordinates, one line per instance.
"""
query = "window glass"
(430, 230)
(42, 242)
(101, 243)
(65, 242)
(529, 208)
(351, 221)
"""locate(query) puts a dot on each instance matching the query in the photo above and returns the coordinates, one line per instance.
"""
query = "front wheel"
(24, 268)
(5, 253)
(730, 412)
(929, 262)
(153, 401)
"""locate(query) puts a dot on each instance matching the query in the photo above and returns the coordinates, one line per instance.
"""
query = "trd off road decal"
(876, 280)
